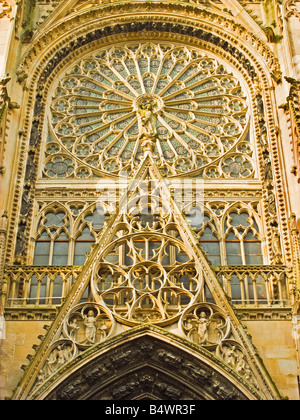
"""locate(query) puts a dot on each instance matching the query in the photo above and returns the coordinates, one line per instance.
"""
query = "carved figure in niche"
(220, 329)
(260, 105)
(231, 357)
(263, 134)
(202, 330)
(263, 141)
(268, 173)
(26, 203)
(272, 204)
(276, 245)
(205, 325)
(243, 368)
(103, 330)
(58, 358)
(90, 326)
(148, 133)
(169, 357)
(74, 329)
(87, 325)
(21, 240)
(30, 169)
(198, 328)
(35, 134)
(41, 378)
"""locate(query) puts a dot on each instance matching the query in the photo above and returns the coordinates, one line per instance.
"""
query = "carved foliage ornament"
(146, 367)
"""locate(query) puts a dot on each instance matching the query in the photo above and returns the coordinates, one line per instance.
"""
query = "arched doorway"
(146, 364)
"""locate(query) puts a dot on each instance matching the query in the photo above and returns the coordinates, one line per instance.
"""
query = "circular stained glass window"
(177, 102)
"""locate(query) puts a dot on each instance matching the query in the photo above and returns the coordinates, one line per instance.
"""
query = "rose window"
(182, 105)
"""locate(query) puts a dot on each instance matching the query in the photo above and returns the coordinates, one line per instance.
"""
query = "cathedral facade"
(150, 200)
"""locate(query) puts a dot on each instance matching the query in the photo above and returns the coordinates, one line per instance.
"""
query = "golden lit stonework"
(149, 198)
(188, 108)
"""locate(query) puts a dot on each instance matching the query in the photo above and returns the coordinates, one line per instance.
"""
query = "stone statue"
(276, 245)
(272, 204)
(231, 357)
(74, 329)
(148, 120)
(243, 368)
(260, 104)
(268, 173)
(220, 329)
(147, 124)
(202, 328)
(103, 330)
(90, 327)
(58, 357)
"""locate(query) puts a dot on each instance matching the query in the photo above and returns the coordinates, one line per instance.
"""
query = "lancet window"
(229, 235)
(65, 237)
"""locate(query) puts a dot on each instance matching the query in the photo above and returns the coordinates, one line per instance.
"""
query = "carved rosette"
(177, 102)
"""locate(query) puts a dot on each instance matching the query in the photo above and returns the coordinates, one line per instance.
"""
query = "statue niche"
(87, 325)
(147, 108)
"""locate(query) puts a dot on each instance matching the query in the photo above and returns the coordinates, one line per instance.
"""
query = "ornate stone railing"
(39, 285)
(256, 285)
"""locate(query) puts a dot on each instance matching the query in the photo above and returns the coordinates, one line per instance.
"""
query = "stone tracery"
(73, 163)
(197, 114)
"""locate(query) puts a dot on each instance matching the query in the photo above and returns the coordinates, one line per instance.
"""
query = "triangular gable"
(125, 297)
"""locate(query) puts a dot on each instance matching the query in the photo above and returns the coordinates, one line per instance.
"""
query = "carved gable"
(146, 268)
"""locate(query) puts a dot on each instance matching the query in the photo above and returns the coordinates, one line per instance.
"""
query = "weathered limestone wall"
(4, 39)
(275, 344)
(20, 337)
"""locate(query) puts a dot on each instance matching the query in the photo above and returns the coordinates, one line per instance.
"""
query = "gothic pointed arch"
(141, 366)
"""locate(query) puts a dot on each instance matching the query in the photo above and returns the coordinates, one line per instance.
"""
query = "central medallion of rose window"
(177, 102)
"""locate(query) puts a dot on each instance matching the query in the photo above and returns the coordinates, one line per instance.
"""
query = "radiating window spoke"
(196, 106)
